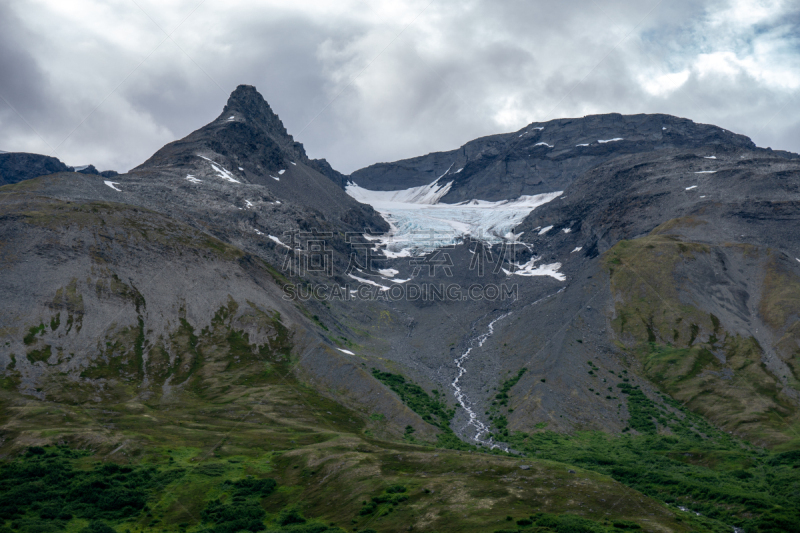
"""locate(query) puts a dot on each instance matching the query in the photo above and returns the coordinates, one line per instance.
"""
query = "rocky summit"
(590, 324)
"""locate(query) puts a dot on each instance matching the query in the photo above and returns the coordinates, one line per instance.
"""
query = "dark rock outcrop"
(88, 169)
(323, 167)
(18, 166)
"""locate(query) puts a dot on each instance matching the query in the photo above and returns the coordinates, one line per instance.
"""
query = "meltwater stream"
(479, 426)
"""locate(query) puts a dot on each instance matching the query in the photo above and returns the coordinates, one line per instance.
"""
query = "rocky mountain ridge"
(547, 156)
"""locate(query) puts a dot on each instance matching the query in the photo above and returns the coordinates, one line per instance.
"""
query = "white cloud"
(664, 84)
(362, 81)
(742, 14)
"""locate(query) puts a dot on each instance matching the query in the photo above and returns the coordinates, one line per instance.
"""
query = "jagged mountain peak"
(246, 130)
(245, 160)
(247, 105)
(246, 100)
(250, 144)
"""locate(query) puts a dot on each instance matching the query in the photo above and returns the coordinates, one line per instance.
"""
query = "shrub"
(290, 516)
(626, 524)
(98, 526)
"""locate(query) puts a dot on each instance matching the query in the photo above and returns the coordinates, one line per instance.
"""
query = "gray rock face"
(629, 196)
(95, 273)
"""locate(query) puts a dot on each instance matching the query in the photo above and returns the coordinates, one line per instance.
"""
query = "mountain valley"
(590, 324)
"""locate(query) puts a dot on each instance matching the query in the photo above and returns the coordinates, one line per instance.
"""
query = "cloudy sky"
(361, 81)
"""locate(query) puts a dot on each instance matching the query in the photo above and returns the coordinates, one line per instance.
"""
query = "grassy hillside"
(687, 351)
(186, 465)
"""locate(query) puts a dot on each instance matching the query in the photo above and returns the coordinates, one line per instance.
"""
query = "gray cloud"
(363, 82)
(23, 86)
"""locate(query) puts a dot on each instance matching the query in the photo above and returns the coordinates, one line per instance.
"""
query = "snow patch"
(230, 117)
(540, 128)
(280, 172)
(277, 240)
(348, 352)
(706, 172)
(292, 162)
(577, 249)
(603, 141)
(240, 168)
(692, 187)
(249, 204)
(544, 144)
(567, 230)
(275, 178)
(545, 230)
(221, 171)
(191, 178)
(111, 184)
(529, 269)
(709, 157)
(457, 171)
(392, 254)
(585, 144)
(369, 282)
(388, 272)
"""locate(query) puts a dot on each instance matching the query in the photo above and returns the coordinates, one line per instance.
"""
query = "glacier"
(420, 223)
